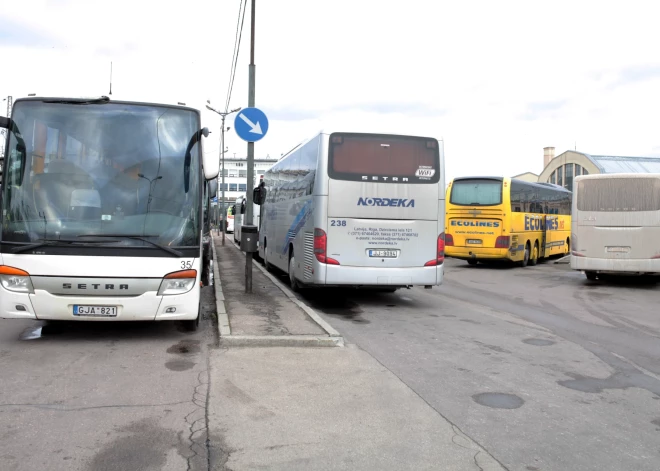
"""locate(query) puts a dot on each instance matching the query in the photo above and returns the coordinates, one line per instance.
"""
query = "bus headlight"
(178, 282)
(16, 280)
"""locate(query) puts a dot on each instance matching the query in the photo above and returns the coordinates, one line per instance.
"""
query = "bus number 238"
(337, 222)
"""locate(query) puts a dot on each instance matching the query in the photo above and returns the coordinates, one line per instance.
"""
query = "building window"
(239, 164)
(578, 170)
(242, 173)
(552, 177)
(560, 176)
(569, 177)
(584, 171)
(242, 187)
(233, 187)
(223, 186)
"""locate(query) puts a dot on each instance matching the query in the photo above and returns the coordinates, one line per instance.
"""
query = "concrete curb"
(308, 310)
(223, 318)
(281, 341)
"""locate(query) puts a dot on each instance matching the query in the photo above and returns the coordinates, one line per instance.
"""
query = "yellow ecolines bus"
(496, 218)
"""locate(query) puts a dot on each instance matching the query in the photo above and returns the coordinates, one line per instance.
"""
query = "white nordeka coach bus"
(104, 211)
(359, 210)
(616, 224)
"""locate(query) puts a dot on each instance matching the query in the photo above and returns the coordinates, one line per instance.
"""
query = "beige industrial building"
(561, 169)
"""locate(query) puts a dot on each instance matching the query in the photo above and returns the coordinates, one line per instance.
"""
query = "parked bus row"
(610, 223)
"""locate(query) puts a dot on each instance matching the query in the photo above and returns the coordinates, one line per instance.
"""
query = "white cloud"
(497, 80)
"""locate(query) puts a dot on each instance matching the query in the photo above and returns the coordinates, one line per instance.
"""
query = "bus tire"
(192, 325)
(292, 275)
(523, 263)
(533, 260)
(472, 261)
(267, 264)
(568, 246)
(591, 275)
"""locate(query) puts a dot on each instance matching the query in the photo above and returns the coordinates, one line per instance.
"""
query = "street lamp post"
(223, 115)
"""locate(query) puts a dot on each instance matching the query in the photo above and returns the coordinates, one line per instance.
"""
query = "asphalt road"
(544, 369)
(104, 396)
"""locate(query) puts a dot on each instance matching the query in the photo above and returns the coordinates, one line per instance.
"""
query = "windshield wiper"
(142, 238)
(79, 101)
(42, 242)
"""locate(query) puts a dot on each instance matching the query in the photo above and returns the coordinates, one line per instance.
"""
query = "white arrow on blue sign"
(251, 124)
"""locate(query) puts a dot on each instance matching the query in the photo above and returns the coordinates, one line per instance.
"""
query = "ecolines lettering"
(398, 202)
(534, 223)
(475, 223)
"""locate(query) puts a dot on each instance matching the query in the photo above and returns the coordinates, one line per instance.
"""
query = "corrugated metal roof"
(614, 164)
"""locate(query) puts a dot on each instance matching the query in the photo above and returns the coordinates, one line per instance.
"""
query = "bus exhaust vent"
(309, 255)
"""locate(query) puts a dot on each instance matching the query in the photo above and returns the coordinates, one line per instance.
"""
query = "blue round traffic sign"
(251, 124)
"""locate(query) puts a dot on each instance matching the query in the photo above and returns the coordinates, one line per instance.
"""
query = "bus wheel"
(193, 324)
(292, 276)
(472, 261)
(591, 275)
(535, 255)
(267, 264)
(568, 246)
(525, 260)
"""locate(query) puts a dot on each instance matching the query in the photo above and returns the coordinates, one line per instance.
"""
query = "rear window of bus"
(476, 192)
(383, 158)
(618, 194)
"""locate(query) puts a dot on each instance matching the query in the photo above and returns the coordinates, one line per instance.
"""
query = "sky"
(496, 81)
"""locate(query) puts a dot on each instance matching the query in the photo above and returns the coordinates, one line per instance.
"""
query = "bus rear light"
(15, 279)
(440, 255)
(178, 282)
(321, 247)
(503, 242)
(449, 240)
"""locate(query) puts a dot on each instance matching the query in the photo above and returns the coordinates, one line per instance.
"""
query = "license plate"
(474, 241)
(618, 249)
(384, 253)
(95, 311)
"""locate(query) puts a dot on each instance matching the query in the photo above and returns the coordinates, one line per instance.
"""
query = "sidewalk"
(304, 408)
(269, 316)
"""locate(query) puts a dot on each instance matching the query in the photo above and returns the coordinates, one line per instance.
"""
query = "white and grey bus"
(359, 210)
(105, 209)
(616, 224)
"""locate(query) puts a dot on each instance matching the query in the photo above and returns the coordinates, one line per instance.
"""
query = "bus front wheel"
(472, 261)
(193, 324)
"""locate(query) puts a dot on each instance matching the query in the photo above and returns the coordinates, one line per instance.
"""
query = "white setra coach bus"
(616, 224)
(104, 211)
(358, 210)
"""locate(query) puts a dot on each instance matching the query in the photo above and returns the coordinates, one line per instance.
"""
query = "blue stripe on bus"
(297, 224)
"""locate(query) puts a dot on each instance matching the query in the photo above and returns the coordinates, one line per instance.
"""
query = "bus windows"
(476, 192)
(383, 159)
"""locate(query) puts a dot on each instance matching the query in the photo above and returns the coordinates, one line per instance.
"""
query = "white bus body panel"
(143, 276)
(626, 241)
(291, 223)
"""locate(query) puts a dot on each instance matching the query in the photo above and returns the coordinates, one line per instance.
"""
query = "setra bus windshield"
(119, 170)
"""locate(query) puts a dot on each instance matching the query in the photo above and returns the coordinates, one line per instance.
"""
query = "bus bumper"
(604, 265)
(146, 307)
(369, 276)
(471, 253)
